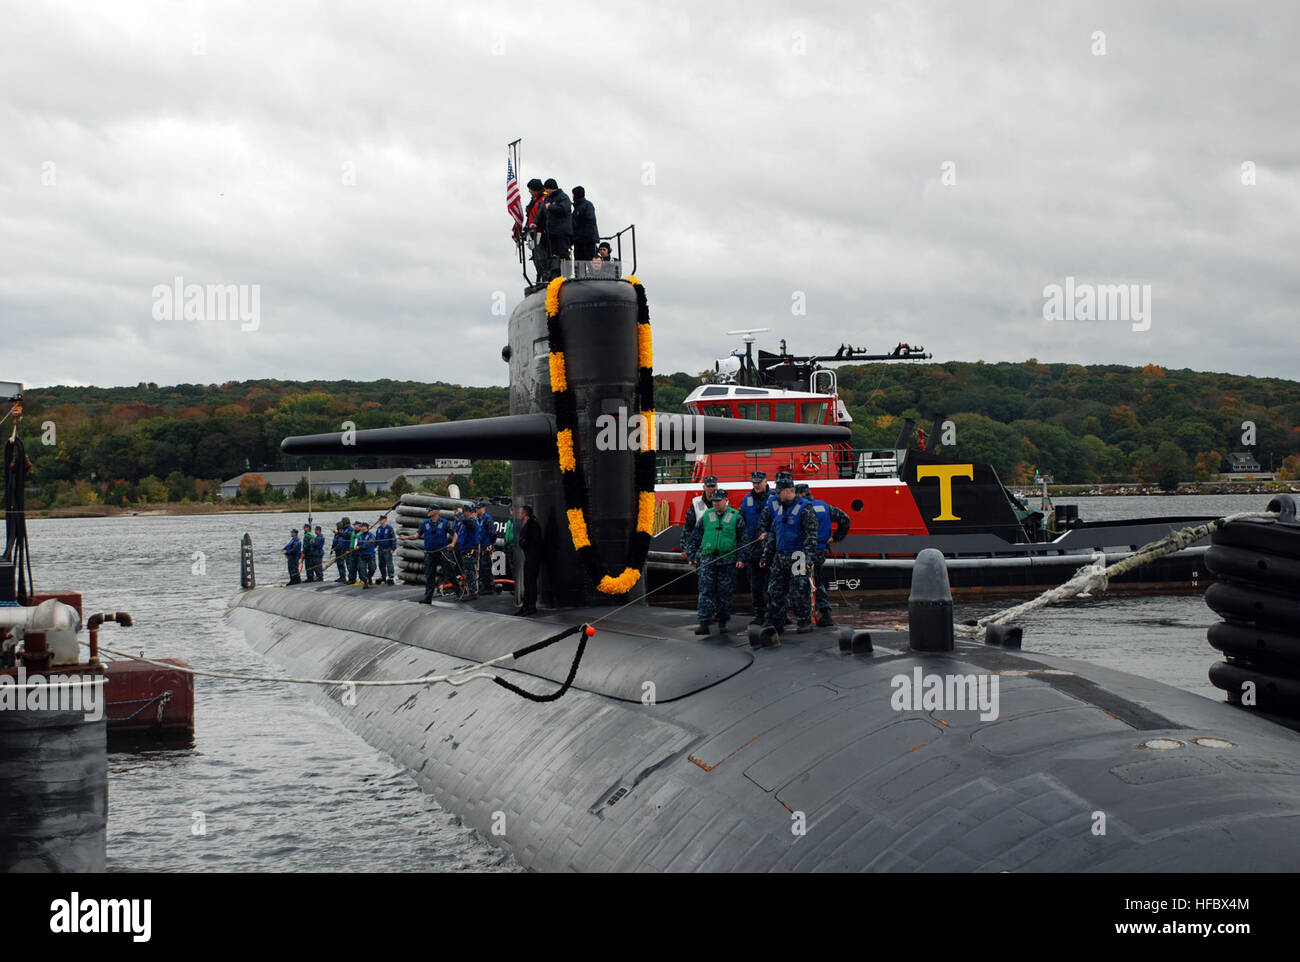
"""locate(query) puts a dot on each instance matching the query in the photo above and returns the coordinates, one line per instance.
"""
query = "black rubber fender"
(1263, 646)
(1278, 694)
(1266, 537)
(1238, 603)
(1254, 567)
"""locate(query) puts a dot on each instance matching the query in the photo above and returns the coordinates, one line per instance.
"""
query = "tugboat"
(601, 735)
(900, 501)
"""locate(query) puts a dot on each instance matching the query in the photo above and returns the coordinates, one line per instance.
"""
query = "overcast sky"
(348, 159)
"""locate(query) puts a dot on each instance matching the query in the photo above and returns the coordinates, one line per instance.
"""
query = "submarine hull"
(672, 753)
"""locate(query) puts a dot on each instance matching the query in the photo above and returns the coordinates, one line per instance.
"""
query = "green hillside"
(1080, 424)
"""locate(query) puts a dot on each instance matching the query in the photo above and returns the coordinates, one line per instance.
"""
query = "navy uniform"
(437, 534)
(385, 542)
(788, 552)
(717, 543)
(467, 542)
(752, 506)
(313, 554)
(694, 511)
(828, 516)
(487, 541)
(365, 554)
(342, 544)
(293, 554)
(350, 558)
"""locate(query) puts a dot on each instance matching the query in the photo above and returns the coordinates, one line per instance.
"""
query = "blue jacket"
(294, 548)
(751, 506)
(437, 534)
(342, 541)
(468, 532)
(315, 546)
(487, 532)
(794, 528)
(366, 543)
(385, 537)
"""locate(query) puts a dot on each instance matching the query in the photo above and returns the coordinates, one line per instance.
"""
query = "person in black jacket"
(557, 212)
(530, 543)
(585, 231)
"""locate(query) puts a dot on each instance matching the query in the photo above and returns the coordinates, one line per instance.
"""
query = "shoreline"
(168, 510)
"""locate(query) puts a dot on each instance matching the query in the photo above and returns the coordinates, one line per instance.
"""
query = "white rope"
(455, 678)
(1097, 576)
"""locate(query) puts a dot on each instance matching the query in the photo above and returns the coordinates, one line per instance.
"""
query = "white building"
(376, 480)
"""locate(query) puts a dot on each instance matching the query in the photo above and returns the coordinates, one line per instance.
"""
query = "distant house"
(336, 482)
(1243, 462)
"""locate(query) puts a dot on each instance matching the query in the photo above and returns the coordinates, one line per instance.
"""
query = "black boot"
(703, 629)
(722, 626)
(826, 620)
(803, 628)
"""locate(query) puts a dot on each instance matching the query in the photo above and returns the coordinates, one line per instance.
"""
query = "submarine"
(602, 735)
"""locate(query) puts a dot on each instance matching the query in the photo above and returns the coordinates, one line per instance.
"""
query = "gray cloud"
(793, 149)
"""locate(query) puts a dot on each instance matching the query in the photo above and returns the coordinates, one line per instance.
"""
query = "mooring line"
(1097, 576)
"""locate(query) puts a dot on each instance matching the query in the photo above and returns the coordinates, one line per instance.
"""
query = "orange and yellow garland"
(566, 419)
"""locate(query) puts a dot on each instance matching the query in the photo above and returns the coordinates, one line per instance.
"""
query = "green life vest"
(719, 533)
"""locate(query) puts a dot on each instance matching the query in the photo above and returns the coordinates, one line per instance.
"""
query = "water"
(1160, 637)
(282, 786)
(278, 783)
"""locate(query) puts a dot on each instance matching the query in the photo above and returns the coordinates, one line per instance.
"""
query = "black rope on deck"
(545, 643)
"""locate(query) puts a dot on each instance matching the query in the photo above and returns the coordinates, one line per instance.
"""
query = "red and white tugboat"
(900, 500)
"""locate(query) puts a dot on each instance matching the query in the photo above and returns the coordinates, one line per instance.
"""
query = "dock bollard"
(929, 607)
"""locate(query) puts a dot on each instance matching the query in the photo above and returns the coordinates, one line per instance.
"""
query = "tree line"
(1081, 424)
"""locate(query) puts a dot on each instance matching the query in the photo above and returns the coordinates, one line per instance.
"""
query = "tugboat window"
(747, 411)
(814, 412)
(783, 413)
(718, 410)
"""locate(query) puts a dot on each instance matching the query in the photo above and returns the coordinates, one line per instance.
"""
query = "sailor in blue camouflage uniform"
(694, 511)
(487, 542)
(716, 542)
(764, 533)
(313, 550)
(788, 555)
(828, 517)
(341, 545)
(365, 554)
(293, 554)
(385, 542)
(752, 506)
(467, 543)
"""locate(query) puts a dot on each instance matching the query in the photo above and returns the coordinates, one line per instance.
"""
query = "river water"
(278, 785)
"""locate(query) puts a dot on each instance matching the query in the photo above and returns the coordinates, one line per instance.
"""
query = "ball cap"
(783, 483)
(801, 488)
(711, 480)
(720, 495)
(758, 476)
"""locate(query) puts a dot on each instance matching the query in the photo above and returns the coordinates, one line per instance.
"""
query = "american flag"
(515, 209)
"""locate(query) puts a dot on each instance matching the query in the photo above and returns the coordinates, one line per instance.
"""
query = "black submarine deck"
(1083, 769)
